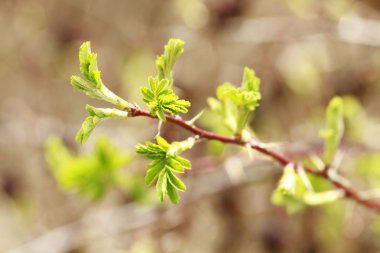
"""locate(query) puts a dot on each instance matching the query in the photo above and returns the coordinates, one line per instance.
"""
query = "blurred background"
(304, 51)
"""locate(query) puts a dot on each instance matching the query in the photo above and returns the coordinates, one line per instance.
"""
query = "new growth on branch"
(234, 107)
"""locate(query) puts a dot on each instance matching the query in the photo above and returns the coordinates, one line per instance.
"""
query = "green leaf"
(175, 166)
(334, 129)
(153, 169)
(162, 142)
(161, 186)
(173, 194)
(184, 162)
(175, 181)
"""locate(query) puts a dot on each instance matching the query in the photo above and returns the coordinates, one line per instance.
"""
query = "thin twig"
(348, 191)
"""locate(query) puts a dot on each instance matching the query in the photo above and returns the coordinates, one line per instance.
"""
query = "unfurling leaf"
(88, 64)
(92, 84)
(166, 61)
(334, 129)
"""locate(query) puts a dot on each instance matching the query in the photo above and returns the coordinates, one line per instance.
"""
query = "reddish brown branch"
(348, 191)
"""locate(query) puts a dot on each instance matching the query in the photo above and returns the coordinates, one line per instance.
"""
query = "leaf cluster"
(159, 96)
(166, 162)
(235, 105)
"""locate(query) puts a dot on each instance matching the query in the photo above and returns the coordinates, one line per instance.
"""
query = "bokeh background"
(304, 51)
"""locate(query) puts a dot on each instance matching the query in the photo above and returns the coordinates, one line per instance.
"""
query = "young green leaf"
(175, 181)
(172, 193)
(184, 162)
(334, 129)
(175, 166)
(161, 186)
(153, 169)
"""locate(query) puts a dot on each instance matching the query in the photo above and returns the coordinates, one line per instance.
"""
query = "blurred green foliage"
(91, 175)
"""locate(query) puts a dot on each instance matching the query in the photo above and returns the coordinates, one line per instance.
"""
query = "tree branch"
(348, 191)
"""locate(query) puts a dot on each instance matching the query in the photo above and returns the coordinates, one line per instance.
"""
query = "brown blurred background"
(304, 51)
